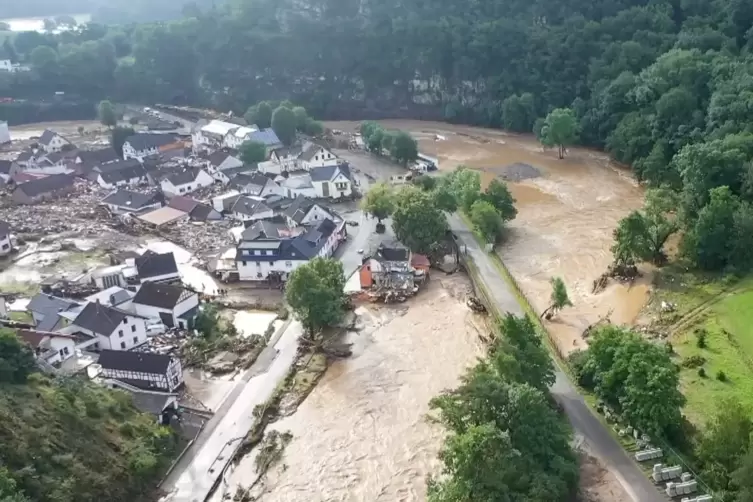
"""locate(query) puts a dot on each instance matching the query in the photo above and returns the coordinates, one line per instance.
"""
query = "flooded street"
(567, 210)
(362, 434)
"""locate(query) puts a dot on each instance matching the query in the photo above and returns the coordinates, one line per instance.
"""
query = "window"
(269, 253)
(246, 252)
(258, 264)
(271, 263)
(244, 263)
(5, 246)
(258, 275)
(182, 190)
(341, 185)
(125, 321)
(316, 157)
(120, 333)
(256, 251)
(288, 264)
(135, 339)
(133, 328)
(66, 351)
(122, 345)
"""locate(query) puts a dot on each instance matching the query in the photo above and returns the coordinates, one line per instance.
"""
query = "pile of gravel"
(519, 172)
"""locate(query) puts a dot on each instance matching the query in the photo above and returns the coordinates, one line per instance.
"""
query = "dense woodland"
(69, 440)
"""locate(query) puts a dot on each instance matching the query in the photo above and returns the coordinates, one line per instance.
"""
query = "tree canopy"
(379, 201)
(314, 292)
(417, 221)
(106, 114)
(253, 152)
(284, 124)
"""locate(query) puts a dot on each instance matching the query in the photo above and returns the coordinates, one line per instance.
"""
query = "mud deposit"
(362, 434)
(566, 216)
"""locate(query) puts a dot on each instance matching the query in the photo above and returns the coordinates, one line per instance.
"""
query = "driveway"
(586, 425)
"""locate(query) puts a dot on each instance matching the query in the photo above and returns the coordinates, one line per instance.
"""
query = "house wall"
(255, 269)
(47, 170)
(3, 307)
(162, 278)
(153, 312)
(202, 180)
(130, 338)
(270, 167)
(5, 245)
(130, 152)
(21, 198)
(321, 158)
(127, 210)
(56, 144)
(256, 216)
(169, 381)
(123, 183)
(292, 193)
(108, 281)
(65, 347)
(340, 187)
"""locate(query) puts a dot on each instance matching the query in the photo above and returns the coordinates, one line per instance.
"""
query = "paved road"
(586, 425)
(193, 477)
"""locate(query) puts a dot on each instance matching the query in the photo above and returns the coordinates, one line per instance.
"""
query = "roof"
(55, 157)
(132, 200)
(100, 318)
(329, 173)
(161, 295)
(4, 227)
(202, 212)
(299, 208)
(46, 137)
(119, 164)
(303, 246)
(244, 131)
(393, 253)
(308, 151)
(151, 264)
(152, 402)
(270, 229)
(266, 136)
(101, 156)
(162, 216)
(183, 177)
(5, 166)
(219, 127)
(253, 179)
(147, 141)
(45, 304)
(51, 183)
(298, 182)
(248, 206)
(113, 296)
(218, 157)
(35, 337)
(231, 172)
(288, 151)
(123, 174)
(181, 203)
(25, 156)
(142, 362)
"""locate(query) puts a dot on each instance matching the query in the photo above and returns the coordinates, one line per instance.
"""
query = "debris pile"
(623, 272)
(475, 305)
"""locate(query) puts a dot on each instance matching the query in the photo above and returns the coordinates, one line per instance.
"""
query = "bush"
(577, 361)
(701, 334)
(721, 376)
(693, 362)
(701, 372)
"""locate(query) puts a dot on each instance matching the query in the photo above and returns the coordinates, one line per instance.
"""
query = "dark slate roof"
(201, 212)
(55, 157)
(133, 200)
(47, 184)
(393, 253)
(266, 136)
(302, 247)
(46, 304)
(151, 264)
(288, 151)
(181, 203)
(255, 179)
(118, 165)
(47, 136)
(328, 173)
(270, 229)
(5, 166)
(126, 173)
(299, 208)
(310, 150)
(161, 295)
(248, 206)
(25, 155)
(4, 228)
(101, 156)
(183, 177)
(141, 362)
(146, 141)
(234, 171)
(100, 318)
(218, 157)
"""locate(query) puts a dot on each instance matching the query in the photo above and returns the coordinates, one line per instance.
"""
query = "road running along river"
(567, 210)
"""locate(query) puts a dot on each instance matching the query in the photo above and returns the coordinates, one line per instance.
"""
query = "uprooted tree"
(559, 298)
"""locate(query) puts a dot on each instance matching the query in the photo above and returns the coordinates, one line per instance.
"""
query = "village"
(161, 271)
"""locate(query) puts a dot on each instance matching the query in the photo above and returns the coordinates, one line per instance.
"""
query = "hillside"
(72, 441)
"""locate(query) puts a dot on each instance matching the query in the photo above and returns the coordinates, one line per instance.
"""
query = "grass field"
(721, 312)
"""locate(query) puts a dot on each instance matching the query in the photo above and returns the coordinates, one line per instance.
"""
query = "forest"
(70, 440)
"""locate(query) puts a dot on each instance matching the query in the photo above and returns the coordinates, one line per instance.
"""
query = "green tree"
(16, 359)
(442, 194)
(707, 243)
(518, 112)
(499, 196)
(375, 140)
(301, 118)
(559, 298)
(404, 148)
(518, 354)
(379, 202)
(465, 185)
(314, 127)
(207, 322)
(425, 183)
(314, 292)
(260, 114)
(253, 152)
(725, 440)
(560, 129)
(106, 114)
(118, 136)
(417, 222)
(742, 478)
(284, 125)
(487, 221)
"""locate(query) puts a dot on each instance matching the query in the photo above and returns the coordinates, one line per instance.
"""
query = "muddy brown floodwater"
(567, 210)
(362, 433)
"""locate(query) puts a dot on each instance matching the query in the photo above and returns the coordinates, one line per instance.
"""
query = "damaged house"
(173, 306)
(128, 202)
(45, 188)
(185, 181)
(120, 174)
(392, 268)
(157, 267)
(142, 369)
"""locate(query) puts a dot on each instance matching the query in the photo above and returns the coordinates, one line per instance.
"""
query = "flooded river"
(362, 434)
(567, 210)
